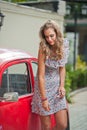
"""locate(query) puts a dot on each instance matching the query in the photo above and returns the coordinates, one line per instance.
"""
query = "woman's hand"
(62, 92)
(45, 105)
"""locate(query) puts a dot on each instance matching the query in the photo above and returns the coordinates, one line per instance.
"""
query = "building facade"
(21, 26)
(76, 24)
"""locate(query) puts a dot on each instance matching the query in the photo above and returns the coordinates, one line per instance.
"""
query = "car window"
(16, 79)
(34, 67)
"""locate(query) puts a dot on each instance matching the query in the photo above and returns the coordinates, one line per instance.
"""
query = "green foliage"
(82, 78)
(75, 79)
(16, 1)
(68, 87)
(80, 64)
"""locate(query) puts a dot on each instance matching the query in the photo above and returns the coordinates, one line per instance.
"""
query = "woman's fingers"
(46, 105)
(62, 93)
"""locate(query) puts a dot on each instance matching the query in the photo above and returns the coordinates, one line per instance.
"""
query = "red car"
(17, 72)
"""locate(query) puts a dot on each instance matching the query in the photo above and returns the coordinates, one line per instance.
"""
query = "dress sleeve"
(64, 60)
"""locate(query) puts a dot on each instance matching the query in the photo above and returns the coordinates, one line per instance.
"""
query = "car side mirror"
(11, 96)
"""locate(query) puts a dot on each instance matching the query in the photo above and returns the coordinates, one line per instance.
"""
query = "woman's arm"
(62, 73)
(41, 73)
(41, 80)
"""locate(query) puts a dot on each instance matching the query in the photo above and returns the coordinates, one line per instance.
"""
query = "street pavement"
(78, 110)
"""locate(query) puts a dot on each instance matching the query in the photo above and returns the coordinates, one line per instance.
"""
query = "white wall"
(21, 26)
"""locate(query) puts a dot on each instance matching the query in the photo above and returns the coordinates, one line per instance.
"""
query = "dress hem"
(50, 112)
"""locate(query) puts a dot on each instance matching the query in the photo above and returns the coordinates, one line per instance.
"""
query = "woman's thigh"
(45, 122)
(61, 118)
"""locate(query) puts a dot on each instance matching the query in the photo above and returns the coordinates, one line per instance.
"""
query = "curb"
(78, 91)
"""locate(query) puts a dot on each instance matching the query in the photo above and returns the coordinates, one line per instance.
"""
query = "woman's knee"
(61, 120)
(47, 127)
(62, 126)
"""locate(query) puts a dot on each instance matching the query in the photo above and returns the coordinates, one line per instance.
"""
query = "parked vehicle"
(17, 72)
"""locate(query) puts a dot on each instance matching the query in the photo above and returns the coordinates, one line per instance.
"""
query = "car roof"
(7, 55)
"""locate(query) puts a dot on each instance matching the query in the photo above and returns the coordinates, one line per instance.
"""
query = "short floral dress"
(52, 81)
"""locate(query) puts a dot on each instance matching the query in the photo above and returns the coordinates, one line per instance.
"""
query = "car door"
(15, 113)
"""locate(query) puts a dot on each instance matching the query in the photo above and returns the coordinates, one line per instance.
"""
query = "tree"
(16, 1)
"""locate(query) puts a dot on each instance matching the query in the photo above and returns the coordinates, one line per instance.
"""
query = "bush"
(75, 79)
(82, 79)
(68, 86)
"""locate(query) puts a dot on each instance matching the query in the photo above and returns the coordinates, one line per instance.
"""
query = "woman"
(49, 91)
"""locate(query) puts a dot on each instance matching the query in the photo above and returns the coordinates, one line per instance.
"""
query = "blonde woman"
(49, 91)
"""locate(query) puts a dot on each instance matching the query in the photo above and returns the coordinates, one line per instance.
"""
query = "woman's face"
(50, 36)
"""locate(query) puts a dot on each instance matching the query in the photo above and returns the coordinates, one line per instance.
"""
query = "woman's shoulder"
(64, 60)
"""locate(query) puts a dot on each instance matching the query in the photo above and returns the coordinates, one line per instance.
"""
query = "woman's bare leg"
(61, 120)
(54, 128)
(45, 122)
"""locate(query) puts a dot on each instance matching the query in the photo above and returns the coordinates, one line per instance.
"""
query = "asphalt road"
(78, 111)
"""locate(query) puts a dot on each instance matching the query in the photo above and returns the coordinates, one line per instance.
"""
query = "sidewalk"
(78, 110)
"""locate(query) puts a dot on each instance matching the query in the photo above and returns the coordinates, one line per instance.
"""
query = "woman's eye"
(52, 35)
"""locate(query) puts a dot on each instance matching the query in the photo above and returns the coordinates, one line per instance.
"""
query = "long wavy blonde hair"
(57, 47)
